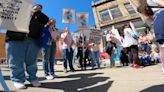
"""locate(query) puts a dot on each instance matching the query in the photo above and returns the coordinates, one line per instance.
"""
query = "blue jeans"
(112, 61)
(95, 57)
(68, 56)
(145, 59)
(49, 59)
(21, 56)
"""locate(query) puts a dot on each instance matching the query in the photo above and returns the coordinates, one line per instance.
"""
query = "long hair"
(144, 8)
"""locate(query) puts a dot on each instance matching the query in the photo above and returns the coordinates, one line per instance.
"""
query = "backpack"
(45, 37)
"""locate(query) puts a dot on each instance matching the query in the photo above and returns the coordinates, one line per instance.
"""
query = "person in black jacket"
(22, 50)
(37, 22)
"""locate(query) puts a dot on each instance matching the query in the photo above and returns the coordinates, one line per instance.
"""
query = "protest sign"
(116, 37)
(82, 21)
(68, 16)
(15, 15)
(95, 36)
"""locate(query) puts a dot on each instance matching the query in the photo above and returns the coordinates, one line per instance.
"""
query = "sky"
(54, 9)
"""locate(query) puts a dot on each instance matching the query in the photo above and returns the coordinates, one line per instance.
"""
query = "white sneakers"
(19, 85)
(36, 83)
(50, 77)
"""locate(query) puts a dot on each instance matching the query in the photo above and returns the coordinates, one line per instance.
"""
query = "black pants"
(82, 60)
(68, 58)
(133, 54)
(124, 58)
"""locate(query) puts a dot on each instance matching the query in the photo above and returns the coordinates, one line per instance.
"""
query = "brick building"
(110, 14)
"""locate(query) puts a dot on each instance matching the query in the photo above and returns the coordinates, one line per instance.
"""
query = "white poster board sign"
(95, 36)
(15, 15)
(68, 16)
(116, 37)
(82, 21)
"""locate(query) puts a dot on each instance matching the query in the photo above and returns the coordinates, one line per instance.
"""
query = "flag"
(15, 15)
(68, 16)
(82, 21)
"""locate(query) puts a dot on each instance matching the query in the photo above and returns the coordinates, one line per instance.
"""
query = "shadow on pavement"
(156, 88)
(6, 77)
(86, 83)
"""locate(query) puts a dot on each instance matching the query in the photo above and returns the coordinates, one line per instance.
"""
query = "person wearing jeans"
(49, 51)
(67, 49)
(94, 55)
(22, 50)
(48, 60)
(18, 52)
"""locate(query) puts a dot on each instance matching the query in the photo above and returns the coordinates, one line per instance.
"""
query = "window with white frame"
(129, 8)
(115, 12)
(105, 15)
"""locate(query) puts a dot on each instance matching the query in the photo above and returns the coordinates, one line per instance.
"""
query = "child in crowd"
(155, 56)
(144, 57)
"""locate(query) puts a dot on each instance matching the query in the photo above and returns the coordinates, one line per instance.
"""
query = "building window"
(105, 15)
(138, 23)
(115, 12)
(130, 9)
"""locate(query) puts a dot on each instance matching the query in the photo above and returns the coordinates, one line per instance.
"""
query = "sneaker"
(131, 66)
(55, 76)
(92, 68)
(49, 77)
(137, 66)
(36, 83)
(65, 71)
(19, 85)
(72, 70)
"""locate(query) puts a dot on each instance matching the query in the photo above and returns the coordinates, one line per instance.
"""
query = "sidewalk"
(148, 79)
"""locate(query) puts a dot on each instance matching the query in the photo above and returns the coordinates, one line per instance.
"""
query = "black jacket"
(37, 23)
(15, 36)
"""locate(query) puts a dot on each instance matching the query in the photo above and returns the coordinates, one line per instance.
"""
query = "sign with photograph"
(68, 16)
(82, 21)
(15, 15)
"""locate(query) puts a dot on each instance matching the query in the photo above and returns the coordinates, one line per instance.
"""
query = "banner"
(116, 37)
(82, 21)
(95, 36)
(15, 14)
(68, 16)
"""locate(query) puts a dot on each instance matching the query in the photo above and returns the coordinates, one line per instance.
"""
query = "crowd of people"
(140, 50)
(22, 48)
(136, 51)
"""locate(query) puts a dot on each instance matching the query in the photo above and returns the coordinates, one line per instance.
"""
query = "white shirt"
(128, 38)
(68, 40)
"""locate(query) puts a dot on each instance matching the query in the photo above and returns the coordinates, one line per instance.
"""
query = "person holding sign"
(111, 48)
(22, 50)
(67, 49)
(130, 42)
